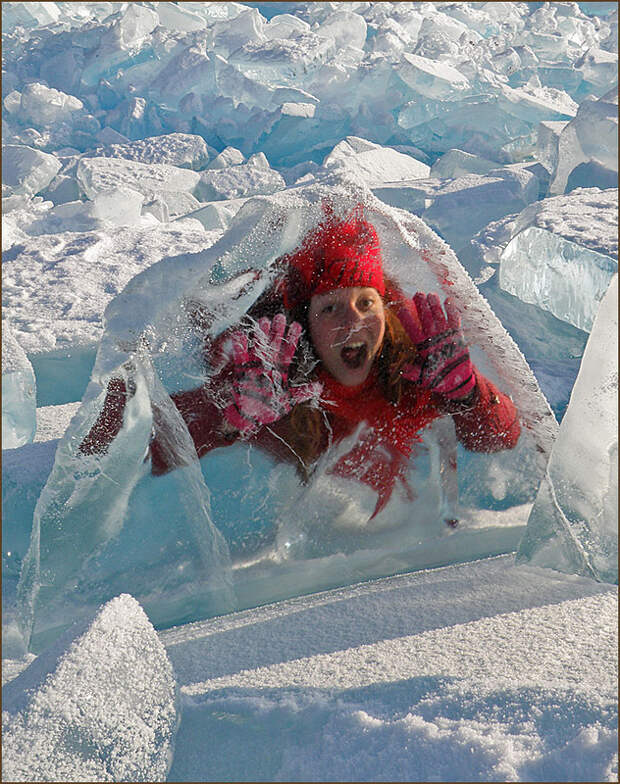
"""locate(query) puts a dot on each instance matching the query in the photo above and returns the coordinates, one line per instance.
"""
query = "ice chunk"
(460, 207)
(591, 136)
(11, 232)
(587, 217)
(535, 104)
(547, 142)
(246, 29)
(98, 706)
(230, 156)
(19, 393)
(285, 26)
(346, 28)
(432, 79)
(29, 15)
(217, 215)
(291, 109)
(154, 536)
(473, 123)
(184, 150)
(26, 170)
(557, 275)
(599, 68)
(573, 523)
(373, 163)
(455, 163)
(133, 26)
(291, 62)
(390, 37)
(43, 106)
(24, 474)
(152, 180)
(113, 207)
(234, 182)
(184, 572)
(191, 70)
(175, 18)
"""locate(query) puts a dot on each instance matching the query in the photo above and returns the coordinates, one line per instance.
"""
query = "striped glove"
(442, 363)
(261, 392)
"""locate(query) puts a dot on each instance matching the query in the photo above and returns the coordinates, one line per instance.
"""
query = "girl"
(331, 347)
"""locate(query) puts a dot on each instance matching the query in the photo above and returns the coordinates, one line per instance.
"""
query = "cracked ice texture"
(573, 524)
(99, 705)
(560, 276)
(19, 393)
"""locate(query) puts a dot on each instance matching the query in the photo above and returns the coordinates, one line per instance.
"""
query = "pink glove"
(261, 391)
(442, 363)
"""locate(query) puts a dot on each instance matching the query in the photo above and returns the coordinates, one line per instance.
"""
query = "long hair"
(305, 428)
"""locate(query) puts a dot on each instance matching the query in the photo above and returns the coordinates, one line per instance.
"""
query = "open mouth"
(354, 355)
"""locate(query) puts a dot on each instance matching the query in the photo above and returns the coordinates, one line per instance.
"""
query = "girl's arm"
(203, 418)
(205, 423)
(488, 421)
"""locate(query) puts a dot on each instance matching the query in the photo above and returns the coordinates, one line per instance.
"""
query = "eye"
(327, 309)
(366, 303)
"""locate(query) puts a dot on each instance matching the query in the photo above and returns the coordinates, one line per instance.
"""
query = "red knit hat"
(337, 254)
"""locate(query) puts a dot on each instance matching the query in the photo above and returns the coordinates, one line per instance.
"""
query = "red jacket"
(486, 423)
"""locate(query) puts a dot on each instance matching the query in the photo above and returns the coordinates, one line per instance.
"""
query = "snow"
(483, 671)
(100, 705)
(151, 153)
(102, 262)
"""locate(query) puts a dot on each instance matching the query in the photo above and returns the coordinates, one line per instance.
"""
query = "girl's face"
(347, 328)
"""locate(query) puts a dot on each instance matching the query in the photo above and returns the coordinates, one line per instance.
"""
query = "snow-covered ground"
(133, 135)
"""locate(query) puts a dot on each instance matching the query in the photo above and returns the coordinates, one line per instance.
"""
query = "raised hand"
(442, 363)
(261, 392)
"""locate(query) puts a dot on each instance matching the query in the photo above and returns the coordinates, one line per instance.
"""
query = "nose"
(351, 314)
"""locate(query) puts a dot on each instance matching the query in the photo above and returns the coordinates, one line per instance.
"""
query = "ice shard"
(103, 525)
(184, 150)
(99, 705)
(573, 524)
(19, 393)
(591, 136)
(42, 105)
(556, 274)
(457, 208)
(456, 163)
(26, 170)
(234, 182)
(102, 174)
(373, 163)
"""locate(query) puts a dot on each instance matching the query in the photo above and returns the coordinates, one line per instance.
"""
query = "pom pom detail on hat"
(337, 254)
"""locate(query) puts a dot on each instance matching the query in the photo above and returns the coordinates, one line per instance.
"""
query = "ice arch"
(103, 525)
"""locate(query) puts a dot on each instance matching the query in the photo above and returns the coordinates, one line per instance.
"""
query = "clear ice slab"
(19, 393)
(556, 274)
(591, 136)
(26, 170)
(573, 524)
